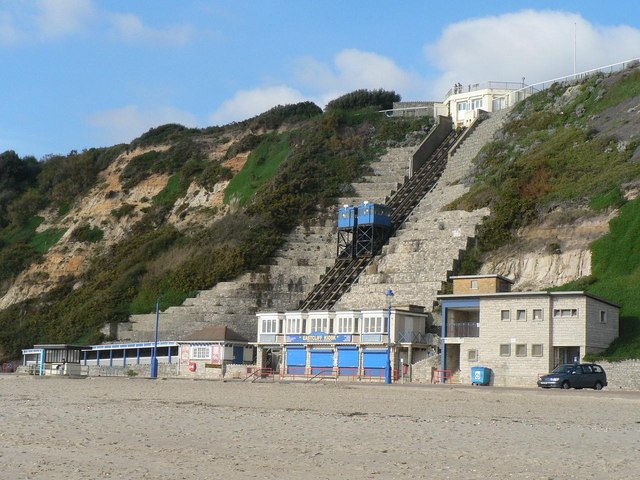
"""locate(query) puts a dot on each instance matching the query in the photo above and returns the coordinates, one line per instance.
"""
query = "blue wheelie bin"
(480, 375)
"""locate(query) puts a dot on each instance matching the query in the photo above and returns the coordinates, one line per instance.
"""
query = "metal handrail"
(259, 373)
(537, 87)
(483, 86)
(323, 372)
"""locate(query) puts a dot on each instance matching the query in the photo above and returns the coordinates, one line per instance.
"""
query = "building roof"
(59, 346)
(215, 333)
(524, 294)
(492, 275)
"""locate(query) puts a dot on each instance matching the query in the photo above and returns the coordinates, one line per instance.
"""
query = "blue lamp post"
(154, 352)
(387, 367)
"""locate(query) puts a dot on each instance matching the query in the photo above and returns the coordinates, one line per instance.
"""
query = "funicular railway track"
(346, 270)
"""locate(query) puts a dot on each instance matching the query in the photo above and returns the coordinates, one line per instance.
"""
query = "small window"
(476, 103)
(536, 350)
(537, 314)
(565, 312)
(472, 355)
(269, 325)
(474, 284)
(505, 315)
(463, 106)
(373, 325)
(521, 315)
(505, 350)
(201, 353)
(603, 316)
(521, 350)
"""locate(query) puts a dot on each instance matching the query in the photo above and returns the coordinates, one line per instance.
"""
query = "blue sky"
(76, 74)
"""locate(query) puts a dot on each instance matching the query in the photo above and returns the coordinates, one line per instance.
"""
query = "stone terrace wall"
(622, 375)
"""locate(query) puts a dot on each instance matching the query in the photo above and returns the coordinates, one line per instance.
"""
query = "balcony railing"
(463, 329)
(484, 86)
(418, 337)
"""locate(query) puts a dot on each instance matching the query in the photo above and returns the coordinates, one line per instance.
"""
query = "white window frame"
(521, 349)
(294, 325)
(463, 106)
(474, 284)
(476, 103)
(269, 325)
(524, 315)
(346, 325)
(539, 319)
(508, 316)
(373, 324)
(319, 324)
(505, 349)
(200, 352)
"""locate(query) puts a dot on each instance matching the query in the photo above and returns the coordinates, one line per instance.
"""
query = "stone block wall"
(623, 375)
(422, 370)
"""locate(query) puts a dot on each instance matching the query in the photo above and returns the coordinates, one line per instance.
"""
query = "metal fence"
(419, 337)
(514, 97)
(463, 329)
(491, 85)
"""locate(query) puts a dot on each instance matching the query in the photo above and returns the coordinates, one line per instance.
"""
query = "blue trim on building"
(446, 304)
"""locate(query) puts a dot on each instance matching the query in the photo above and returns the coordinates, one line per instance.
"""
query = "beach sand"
(61, 428)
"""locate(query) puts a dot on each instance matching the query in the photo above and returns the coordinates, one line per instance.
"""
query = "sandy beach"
(61, 428)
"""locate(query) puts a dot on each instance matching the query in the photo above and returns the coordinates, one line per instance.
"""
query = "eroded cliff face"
(71, 259)
(553, 252)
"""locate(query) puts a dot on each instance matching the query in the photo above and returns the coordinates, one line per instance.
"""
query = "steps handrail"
(340, 277)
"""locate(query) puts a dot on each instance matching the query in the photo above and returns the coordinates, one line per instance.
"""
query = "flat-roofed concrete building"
(519, 335)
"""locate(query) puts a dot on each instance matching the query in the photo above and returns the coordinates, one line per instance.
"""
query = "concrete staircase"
(297, 266)
(423, 251)
(414, 263)
(385, 179)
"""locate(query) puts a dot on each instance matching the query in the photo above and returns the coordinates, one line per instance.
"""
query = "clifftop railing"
(491, 85)
(514, 97)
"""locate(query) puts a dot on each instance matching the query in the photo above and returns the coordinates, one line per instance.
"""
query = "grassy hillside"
(567, 147)
(616, 277)
(301, 159)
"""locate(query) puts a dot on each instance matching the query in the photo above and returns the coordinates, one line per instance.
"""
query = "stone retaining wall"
(622, 375)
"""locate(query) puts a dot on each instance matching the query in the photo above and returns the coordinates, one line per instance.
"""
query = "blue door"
(348, 361)
(321, 361)
(238, 355)
(374, 362)
(296, 360)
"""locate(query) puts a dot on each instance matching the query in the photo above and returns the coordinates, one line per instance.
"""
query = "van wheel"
(565, 385)
(598, 386)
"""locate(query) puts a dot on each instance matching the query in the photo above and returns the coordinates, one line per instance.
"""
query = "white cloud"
(121, 125)
(56, 18)
(44, 20)
(129, 27)
(248, 103)
(537, 45)
(354, 69)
